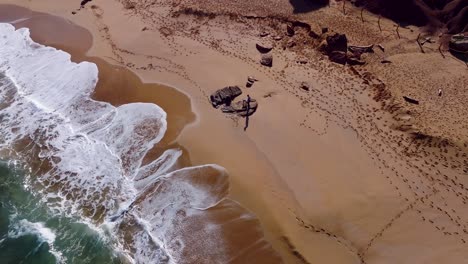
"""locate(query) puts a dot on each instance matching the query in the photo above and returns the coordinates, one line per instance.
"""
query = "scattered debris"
(225, 96)
(277, 38)
(291, 43)
(354, 60)
(250, 81)
(338, 57)
(128, 4)
(361, 49)
(305, 86)
(439, 92)
(302, 60)
(267, 60)
(264, 34)
(428, 39)
(264, 46)
(314, 35)
(381, 47)
(411, 100)
(290, 31)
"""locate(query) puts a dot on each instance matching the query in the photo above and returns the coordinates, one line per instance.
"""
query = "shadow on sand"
(304, 6)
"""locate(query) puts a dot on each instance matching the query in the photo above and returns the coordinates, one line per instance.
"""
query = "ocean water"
(73, 186)
(30, 234)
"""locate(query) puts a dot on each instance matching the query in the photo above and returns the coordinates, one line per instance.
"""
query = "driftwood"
(427, 40)
(381, 47)
(361, 49)
(411, 100)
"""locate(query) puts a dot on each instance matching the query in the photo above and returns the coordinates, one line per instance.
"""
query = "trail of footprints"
(432, 167)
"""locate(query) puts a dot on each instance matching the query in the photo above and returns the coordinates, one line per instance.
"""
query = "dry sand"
(345, 173)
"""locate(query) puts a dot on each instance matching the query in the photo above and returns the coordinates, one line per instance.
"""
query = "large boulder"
(267, 60)
(337, 42)
(225, 96)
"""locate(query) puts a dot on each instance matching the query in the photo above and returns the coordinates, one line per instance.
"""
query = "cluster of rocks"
(338, 51)
(264, 47)
(224, 97)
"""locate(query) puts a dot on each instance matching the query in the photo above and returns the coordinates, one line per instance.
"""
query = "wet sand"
(325, 171)
(118, 85)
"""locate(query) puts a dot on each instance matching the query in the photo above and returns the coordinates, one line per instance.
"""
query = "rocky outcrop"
(267, 60)
(225, 96)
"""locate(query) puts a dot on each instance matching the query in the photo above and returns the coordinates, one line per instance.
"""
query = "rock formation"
(225, 96)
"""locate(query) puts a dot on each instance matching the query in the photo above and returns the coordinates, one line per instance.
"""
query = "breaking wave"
(85, 159)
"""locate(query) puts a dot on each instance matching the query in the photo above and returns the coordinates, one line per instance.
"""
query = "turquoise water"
(29, 233)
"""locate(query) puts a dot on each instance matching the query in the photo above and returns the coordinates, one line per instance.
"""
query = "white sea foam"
(95, 153)
(44, 235)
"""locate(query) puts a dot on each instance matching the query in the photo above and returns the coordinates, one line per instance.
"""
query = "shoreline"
(326, 187)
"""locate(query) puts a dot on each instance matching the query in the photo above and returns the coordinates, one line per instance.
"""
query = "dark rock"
(338, 57)
(250, 81)
(84, 2)
(459, 43)
(384, 61)
(324, 30)
(73, 12)
(240, 108)
(337, 42)
(314, 35)
(411, 100)
(225, 96)
(266, 60)
(354, 61)
(264, 47)
(264, 34)
(290, 31)
(305, 86)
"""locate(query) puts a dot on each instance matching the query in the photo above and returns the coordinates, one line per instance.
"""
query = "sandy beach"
(345, 171)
